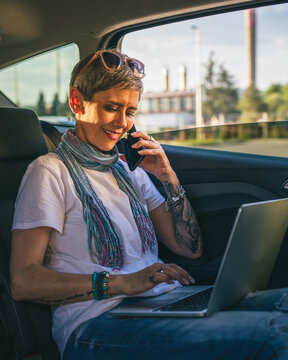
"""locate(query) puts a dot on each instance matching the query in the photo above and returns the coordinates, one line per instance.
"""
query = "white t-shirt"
(47, 197)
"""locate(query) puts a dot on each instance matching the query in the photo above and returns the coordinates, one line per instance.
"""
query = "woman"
(85, 229)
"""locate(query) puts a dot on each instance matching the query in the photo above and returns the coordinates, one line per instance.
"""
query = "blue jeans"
(255, 328)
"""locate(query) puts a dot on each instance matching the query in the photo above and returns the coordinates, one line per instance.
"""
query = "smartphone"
(132, 156)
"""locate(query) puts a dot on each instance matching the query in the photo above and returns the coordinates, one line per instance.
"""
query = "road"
(274, 147)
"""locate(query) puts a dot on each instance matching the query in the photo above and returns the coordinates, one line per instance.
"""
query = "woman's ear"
(76, 100)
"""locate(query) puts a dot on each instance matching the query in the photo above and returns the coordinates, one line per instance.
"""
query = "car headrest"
(20, 134)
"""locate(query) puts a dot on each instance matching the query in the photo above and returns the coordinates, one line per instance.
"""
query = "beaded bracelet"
(94, 282)
(100, 285)
(173, 199)
(105, 284)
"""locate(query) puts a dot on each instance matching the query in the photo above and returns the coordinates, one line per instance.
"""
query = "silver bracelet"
(174, 199)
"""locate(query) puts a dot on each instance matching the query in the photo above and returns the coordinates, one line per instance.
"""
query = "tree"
(283, 106)
(41, 107)
(65, 108)
(210, 72)
(251, 105)
(276, 101)
(273, 99)
(55, 109)
(221, 94)
(224, 79)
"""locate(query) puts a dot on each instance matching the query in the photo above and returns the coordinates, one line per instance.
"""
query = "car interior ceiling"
(25, 327)
(32, 33)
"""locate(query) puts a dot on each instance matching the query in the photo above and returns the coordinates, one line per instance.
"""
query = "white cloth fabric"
(47, 197)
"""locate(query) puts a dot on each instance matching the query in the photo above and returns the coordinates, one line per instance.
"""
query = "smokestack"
(250, 17)
(165, 79)
(182, 78)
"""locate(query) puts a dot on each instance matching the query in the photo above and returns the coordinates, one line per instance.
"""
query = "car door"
(218, 182)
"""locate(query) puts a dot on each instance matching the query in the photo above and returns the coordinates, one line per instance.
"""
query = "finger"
(151, 151)
(182, 271)
(144, 136)
(141, 135)
(146, 144)
(177, 273)
(169, 276)
(158, 278)
(157, 275)
(185, 274)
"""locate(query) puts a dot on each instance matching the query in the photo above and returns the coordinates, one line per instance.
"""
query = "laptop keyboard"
(195, 302)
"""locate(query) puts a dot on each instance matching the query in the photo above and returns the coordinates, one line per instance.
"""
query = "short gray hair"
(97, 78)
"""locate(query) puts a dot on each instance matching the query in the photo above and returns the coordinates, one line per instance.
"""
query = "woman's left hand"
(155, 161)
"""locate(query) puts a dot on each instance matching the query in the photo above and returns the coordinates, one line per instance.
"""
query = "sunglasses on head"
(113, 61)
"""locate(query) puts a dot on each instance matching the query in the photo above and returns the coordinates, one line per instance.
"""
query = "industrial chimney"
(250, 18)
(182, 78)
(165, 79)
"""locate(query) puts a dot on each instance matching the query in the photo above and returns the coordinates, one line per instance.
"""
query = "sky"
(174, 45)
(171, 46)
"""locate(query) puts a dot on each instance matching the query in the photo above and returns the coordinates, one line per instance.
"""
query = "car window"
(41, 83)
(217, 82)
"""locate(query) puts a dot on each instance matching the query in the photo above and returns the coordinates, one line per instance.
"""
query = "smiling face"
(102, 121)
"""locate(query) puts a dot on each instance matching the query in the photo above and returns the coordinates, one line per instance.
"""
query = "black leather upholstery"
(20, 135)
(25, 327)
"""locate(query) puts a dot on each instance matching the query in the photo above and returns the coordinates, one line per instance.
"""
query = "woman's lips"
(113, 135)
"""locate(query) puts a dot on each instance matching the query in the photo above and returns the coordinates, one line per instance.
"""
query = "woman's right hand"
(146, 279)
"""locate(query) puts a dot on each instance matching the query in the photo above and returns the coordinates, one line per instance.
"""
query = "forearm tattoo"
(187, 228)
(67, 300)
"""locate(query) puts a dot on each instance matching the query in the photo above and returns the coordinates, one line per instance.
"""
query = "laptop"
(247, 264)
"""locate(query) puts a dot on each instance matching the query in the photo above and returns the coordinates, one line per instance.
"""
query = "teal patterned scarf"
(104, 243)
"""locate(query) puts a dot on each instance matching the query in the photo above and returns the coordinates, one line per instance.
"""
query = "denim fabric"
(255, 328)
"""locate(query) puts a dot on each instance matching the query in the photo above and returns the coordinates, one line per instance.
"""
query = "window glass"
(224, 75)
(41, 83)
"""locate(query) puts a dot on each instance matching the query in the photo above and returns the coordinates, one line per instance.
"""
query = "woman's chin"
(106, 147)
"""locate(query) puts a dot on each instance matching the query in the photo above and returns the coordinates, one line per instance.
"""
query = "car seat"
(25, 327)
(51, 135)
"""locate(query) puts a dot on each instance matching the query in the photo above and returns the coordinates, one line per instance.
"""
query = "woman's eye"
(109, 108)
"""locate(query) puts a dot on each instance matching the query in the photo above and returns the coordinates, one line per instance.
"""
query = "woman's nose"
(121, 120)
